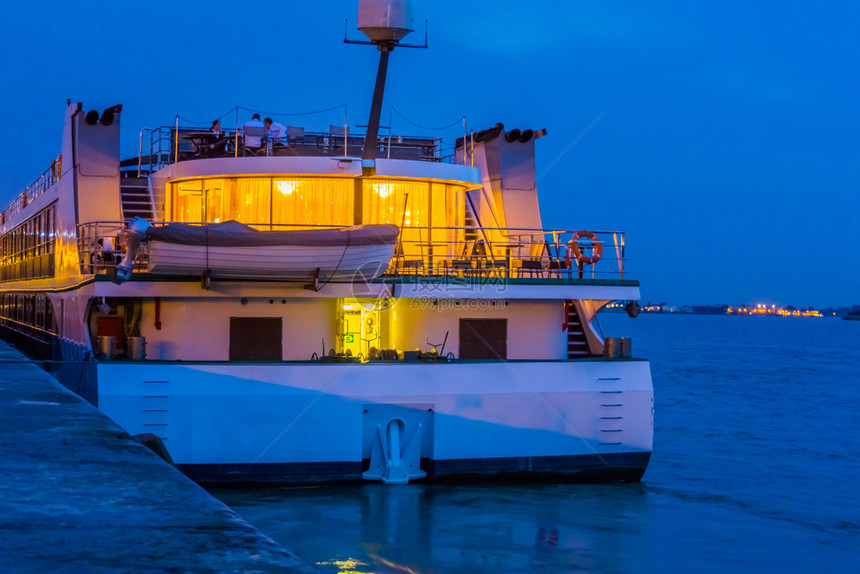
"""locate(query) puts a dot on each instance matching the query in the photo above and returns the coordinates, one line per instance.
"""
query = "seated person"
(216, 129)
(253, 140)
(275, 131)
(220, 143)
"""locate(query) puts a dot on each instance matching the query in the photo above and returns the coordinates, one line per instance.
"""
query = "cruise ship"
(329, 305)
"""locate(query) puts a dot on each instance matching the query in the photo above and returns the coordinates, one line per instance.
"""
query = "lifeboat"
(234, 250)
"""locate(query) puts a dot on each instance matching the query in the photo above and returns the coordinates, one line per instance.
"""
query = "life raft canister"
(575, 249)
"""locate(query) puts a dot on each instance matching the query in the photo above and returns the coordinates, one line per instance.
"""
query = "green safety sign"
(350, 338)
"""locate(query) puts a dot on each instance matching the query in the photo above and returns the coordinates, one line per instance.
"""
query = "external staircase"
(136, 199)
(577, 342)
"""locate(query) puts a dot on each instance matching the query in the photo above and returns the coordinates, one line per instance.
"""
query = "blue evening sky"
(723, 137)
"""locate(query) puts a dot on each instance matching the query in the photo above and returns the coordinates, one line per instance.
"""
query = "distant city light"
(760, 309)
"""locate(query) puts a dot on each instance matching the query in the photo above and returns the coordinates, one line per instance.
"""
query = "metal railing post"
(140, 154)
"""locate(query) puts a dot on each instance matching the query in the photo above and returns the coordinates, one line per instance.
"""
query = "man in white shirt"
(276, 131)
(250, 139)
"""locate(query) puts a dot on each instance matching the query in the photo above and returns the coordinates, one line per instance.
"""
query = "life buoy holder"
(576, 250)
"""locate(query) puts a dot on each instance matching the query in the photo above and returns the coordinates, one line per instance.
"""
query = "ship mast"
(385, 23)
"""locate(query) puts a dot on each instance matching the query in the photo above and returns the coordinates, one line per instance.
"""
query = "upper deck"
(467, 217)
(163, 146)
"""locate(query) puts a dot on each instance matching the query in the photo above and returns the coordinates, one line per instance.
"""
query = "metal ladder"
(136, 199)
(577, 342)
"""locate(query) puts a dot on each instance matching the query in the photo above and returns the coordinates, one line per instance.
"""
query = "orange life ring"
(574, 248)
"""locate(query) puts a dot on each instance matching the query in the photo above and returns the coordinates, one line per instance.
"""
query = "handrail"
(433, 251)
(28, 326)
(42, 183)
(524, 230)
(169, 149)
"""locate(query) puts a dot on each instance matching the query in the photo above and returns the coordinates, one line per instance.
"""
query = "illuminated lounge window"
(188, 201)
(418, 204)
(309, 201)
(313, 201)
(263, 200)
(246, 200)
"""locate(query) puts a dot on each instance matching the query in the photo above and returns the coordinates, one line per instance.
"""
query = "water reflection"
(753, 471)
(474, 528)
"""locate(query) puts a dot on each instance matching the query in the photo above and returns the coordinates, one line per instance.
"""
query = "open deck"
(431, 252)
(163, 146)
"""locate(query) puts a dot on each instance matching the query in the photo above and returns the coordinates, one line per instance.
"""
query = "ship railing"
(48, 178)
(102, 246)
(509, 253)
(165, 145)
(464, 252)
(158, 142)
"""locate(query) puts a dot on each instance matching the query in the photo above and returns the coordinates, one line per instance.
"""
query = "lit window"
(287, 187)
(383, 189)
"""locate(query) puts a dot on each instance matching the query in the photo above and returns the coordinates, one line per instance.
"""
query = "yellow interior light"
(383, 189)
(287, 187)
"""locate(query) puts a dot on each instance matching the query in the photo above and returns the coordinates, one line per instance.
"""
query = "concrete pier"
(77, 494)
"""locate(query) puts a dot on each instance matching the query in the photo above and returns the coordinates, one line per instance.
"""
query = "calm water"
(755, 469)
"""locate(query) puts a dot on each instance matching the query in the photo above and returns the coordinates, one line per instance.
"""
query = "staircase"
(469, 222)
(135, 198)
(577, 342)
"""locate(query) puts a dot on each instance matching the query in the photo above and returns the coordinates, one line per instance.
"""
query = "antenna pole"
(370, 140)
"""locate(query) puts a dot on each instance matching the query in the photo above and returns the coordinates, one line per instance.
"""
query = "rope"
(209, 122)
(337, 267)
(235, 108)
(452, 124)
(293, 114)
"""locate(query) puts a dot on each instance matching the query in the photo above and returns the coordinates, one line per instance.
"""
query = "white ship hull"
(282, 262)
(299, 423)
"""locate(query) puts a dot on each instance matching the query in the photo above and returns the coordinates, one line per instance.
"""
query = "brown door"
(484, 339)
(255, 338)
